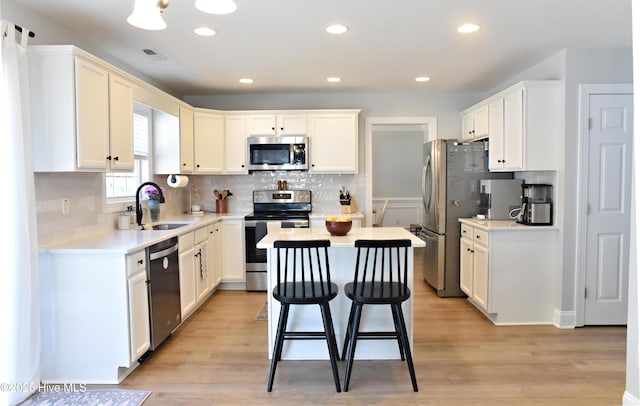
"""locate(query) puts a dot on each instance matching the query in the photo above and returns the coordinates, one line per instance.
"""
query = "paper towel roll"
(177, 181)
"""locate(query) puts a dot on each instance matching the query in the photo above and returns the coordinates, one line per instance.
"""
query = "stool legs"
(404, 338)
(277, 347)
(331, 342)
(353, 338)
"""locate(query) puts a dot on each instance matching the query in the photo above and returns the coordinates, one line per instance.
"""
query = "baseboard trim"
(630, 400)
(564, 319)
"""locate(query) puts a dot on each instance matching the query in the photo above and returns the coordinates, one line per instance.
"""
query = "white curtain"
(19, 284)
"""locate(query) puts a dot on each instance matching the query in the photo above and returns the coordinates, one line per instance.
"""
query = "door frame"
(432, 131)
(586, 91)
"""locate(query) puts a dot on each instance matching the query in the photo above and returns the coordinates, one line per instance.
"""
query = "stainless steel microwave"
(278, 153)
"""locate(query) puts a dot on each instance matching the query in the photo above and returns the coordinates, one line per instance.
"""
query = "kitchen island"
(342, 256)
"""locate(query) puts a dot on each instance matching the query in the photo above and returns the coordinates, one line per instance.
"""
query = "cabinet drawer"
(201, 235)
(136, 262)
(481, 237)
(186, 241)
(466, 231)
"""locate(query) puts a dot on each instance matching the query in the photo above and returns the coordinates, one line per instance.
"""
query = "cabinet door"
(481, 122)
(481, 276)
(261, 124)
(291, 124)
(467, 126)
(121, 123)
(235, 145)
(496, 134)
(233, 249)
(186, 140)
(466, 266)
(187, 283)
(209, 146)
(333, 142)
(214, 259)
(201, 268)
(92, 115)
(513, 130)
(139, 331)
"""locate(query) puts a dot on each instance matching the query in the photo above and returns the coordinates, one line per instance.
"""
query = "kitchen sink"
(169, 226)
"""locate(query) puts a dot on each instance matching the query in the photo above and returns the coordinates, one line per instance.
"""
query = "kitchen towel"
(177, 181)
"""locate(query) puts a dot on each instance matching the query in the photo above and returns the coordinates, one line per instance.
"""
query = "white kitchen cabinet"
(525, 127)
(139, 330)
(186, 151)
(233, 250)
(508, 270)
(209, 145)
(333, 139)
(188, 297)
(215, 255)
(277, 124)
(235, 145)
(475, 123)
(82, 112)
(201, 264)
(92, 328)
(474, 265)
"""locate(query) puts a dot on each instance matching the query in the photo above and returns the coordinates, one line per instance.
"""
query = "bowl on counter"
(338, 227)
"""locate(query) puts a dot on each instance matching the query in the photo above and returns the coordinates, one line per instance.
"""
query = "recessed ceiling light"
(333, 79)
(216, 6)
(246, 81)
(337, 29)
(467, 28)
(423, 79)
(205, 31)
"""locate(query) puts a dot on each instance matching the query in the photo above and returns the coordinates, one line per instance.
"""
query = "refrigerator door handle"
(424, 191)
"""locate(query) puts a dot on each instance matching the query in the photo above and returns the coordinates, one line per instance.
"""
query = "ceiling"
(283, 46)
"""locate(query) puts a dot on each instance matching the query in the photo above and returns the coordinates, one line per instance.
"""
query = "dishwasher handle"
(163, 253)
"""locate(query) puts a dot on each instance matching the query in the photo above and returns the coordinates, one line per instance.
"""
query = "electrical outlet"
(92, 203)
(65, 206)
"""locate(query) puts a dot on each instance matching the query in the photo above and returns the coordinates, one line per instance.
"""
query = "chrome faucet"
(138, 207)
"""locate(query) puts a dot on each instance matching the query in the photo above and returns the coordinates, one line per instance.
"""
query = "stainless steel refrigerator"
(450, 190)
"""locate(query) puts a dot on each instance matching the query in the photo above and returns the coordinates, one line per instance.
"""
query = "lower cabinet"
(201, 264)
(215, 255)
(139, 331)
(508, 272)
(233, 250)
(186, 249)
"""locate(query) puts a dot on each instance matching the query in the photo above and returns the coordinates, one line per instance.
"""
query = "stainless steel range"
(289, 208)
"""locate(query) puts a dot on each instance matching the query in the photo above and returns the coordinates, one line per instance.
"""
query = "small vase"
(221, 206)
(154, 209)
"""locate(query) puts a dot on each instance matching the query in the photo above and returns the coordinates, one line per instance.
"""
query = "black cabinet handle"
(108, 157)
(115, 159)
(184, 164)
(242, 165)
(140, 261)
(198, 165)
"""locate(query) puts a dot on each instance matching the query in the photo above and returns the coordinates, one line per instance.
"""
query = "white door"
(609, 214)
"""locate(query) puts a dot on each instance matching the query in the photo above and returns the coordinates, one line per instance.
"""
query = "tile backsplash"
(87, 207)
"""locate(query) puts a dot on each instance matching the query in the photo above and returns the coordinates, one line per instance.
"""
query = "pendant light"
(147, 14)
(216, 6)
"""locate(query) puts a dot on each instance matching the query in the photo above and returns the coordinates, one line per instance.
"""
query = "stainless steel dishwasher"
(163, 283)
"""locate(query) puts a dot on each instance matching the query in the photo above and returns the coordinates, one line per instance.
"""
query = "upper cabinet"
(475, 123)
(525, 127)
(186, 140)
(208, 140)
(277, 124)
(333, 139)
(523, 124)
(82, 112)
(235, 144)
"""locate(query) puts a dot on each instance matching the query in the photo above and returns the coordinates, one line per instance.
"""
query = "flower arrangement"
(151, 192)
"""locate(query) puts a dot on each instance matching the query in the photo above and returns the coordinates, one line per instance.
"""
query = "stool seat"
(304, 293)
(377, 293)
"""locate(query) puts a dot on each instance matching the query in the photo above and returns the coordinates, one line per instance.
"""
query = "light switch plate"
(65, 206)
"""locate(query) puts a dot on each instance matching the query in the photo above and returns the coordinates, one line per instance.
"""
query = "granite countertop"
(129, 241)
(356, 233)
(502, 225)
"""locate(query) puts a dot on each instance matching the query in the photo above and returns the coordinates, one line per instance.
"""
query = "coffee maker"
(537, 205)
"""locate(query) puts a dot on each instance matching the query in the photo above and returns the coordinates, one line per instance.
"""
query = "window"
(120, 187)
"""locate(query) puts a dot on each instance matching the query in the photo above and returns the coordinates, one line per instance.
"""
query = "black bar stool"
(304, 279)
(380, 279)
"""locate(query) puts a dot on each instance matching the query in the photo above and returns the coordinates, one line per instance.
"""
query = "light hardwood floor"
(219, 357)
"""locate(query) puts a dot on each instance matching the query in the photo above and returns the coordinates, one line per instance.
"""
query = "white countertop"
(356, 233)
(497, 225)
(129, 241)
